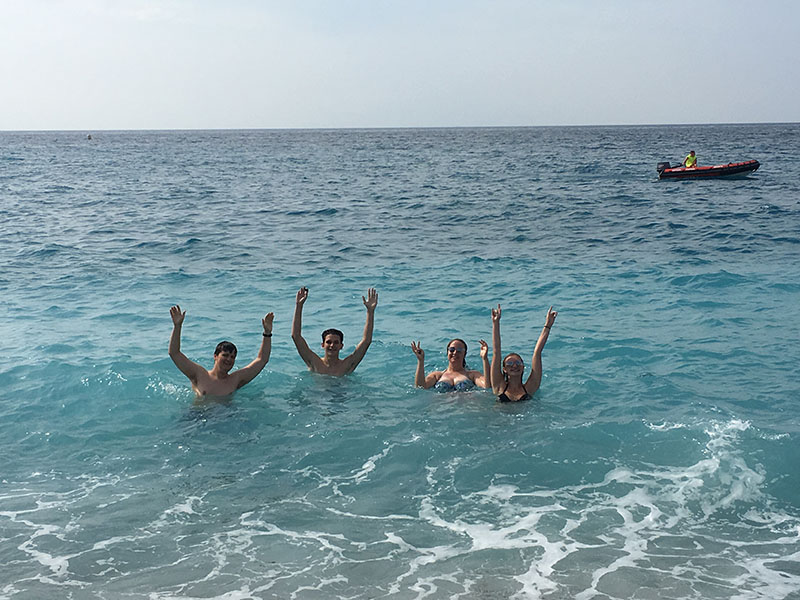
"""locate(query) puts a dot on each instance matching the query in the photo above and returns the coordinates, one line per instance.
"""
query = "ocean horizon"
(391, 127)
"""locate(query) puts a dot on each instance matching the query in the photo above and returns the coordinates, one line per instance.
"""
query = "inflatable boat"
(739, 169)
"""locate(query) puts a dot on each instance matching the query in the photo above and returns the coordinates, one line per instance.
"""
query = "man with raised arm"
(332, 339)
(219, 381)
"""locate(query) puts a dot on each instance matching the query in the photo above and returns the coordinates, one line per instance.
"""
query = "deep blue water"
(658, 459)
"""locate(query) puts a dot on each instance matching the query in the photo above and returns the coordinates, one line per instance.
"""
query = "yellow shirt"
(690, 161)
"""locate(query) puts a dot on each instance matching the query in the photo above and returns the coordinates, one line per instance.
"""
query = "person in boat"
(456, 377)
(332, 339)
(507, 373)
(690, 162)
(219, 382)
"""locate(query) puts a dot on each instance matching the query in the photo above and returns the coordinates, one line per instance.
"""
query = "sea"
(659, 458)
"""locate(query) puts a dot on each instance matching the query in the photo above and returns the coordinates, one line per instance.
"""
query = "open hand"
(177, 315)
(371, 301)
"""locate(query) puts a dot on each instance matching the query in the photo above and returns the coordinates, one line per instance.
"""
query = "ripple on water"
(657, 458)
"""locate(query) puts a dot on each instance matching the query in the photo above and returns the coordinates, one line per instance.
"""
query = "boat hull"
(739, 169)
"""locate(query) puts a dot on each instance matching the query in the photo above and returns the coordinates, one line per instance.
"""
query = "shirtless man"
(332, 340)
(218, 382)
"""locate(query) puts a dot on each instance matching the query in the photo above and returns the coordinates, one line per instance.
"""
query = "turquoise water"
(658, 459)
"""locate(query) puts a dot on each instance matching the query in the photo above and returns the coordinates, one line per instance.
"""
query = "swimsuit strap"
(502, 397)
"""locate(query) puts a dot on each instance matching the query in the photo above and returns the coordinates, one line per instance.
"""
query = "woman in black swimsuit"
(507, 374)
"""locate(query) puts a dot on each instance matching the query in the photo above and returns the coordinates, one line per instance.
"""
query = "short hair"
(334, 332)
(225, 347)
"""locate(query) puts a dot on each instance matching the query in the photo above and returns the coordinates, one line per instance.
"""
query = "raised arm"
(419, 375)
(497, 353)
(484, 379)
(370, 302)
(247, 374)
(535, 378)
(187, 367)
(297, 325)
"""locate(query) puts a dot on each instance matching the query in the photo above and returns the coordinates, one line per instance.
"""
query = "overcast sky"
(173, 64)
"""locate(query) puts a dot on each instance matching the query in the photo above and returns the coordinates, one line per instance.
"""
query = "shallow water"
(658, 459)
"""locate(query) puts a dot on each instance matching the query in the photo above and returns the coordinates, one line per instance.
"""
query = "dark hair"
(225, 347)
(465, 349)
(334, 332)
(503, 365)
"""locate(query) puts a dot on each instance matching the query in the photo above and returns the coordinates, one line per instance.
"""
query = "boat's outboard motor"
(661, 166)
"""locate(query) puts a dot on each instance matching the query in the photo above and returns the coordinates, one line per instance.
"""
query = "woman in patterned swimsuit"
(507, 379)
(456, 377)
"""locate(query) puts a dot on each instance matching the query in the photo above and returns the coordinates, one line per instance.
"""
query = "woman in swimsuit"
(507, 379)
(456, 377)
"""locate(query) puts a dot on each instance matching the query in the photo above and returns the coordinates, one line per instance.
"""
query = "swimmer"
(219, 381)
(507, 378)
(456, 377)
(332, 339)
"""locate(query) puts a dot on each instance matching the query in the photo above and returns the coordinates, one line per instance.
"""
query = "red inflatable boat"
(739, 169)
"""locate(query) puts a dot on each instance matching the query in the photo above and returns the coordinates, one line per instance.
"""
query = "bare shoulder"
(433, 377)
(315, 363)
(201, 376)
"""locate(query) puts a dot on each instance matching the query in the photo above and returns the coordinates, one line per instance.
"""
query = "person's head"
(513, 364)
(691, 152)
(225, 355)
(457, 353)
(332, 340)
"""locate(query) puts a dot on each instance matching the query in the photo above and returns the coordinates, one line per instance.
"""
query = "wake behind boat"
(738, 169)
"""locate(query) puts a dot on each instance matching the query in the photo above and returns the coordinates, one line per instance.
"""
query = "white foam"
(369, 465)
(178, 511)
(665, 426)
(425, 556)
(243, 593)
(300, 591)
